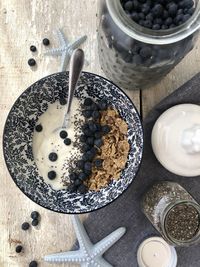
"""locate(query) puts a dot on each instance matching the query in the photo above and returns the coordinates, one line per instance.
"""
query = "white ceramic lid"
(175, 139)
(155, 252)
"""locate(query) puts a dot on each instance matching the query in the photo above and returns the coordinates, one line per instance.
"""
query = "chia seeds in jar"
(173, 212)
(135, 56)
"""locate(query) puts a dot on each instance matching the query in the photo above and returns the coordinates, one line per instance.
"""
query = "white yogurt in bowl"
(48, 140)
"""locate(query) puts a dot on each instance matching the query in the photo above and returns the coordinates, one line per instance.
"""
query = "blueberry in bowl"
(85, 167)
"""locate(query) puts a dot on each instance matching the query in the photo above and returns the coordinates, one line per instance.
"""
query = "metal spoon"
(76, 65)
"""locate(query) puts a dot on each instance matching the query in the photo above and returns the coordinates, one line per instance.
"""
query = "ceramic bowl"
(18, 133)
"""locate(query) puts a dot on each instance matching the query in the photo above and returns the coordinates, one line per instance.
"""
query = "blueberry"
(85, 126)
(67, 141)
(93, 126)
(146, 52)
(158, 10)
(85, 147)
(145, 9)
(80, 164)
(87, 132)
(83, 138)
(158, 21)
(180, 11)
(82, 189)
(82, 176)
(95, 114)
(63, 134)
(147, 24)
(72, 188)
(63, 101)
(141, 16)
(98, 135)
(172, 9)
(149, 17)
(73, 176)
(31, 62)
(188, 3)
(88, 102)
(106, 129)
(103, 105)
(135, 16)
(93, 151)
(33, 264)
(87, 113)
(35, 215)
(98, 142)
(88, 166)
(90, 140)
(98, 163)
(186, 17)
(168, 21)
(53, 156)
(94, 107)
(191, 11)
(45, 41)
(25, 226)
(156, 27)
(38, 128)
(77, 182)
(35, 222)
(89, 155)
(128, 6)
(51, 175)
(33, 48)
(178, 18)
(18, 248)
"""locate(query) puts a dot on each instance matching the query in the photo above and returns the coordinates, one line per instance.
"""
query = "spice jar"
(134, 56)
(173, 212)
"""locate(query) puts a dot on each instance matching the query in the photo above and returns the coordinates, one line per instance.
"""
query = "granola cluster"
(113, 152)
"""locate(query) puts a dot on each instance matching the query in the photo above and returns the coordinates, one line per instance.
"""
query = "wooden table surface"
(23, 23)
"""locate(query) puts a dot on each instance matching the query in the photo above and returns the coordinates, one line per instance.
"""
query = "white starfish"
(88, 255)
(66, 48)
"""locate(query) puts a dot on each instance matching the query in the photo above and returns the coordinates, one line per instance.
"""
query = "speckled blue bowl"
(18, 132)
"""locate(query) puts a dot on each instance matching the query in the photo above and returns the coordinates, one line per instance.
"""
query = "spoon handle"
(76, 65)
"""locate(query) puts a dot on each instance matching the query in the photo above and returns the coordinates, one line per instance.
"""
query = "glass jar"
(135, 57)
(173, 212)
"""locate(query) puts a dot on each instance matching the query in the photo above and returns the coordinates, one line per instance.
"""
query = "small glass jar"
(173, 212)
(135, 57)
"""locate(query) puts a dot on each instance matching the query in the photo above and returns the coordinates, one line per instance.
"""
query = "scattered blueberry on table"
(25, 226)
(35, 215)
(33, 48)
(31, 62)
(18, 249)
(159, 15)
(35, 222)
(33, 264)
(46, 41)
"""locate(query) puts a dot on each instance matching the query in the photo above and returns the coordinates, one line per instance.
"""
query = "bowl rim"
(140, 161)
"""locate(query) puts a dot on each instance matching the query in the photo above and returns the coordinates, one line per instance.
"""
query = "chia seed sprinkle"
(179, 224)
(182, 222)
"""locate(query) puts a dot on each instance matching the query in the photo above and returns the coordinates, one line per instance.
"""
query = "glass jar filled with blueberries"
(140, 41)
